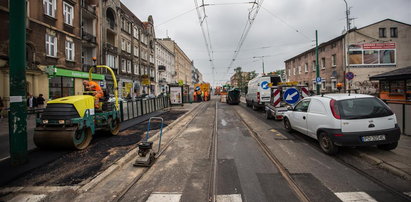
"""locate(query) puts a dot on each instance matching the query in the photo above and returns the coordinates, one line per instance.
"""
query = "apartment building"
(376, 48)
(165, 66)
(183, 73)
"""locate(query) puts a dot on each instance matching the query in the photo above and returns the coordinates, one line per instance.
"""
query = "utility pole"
(317, 67)
(17, 61)
(262, 58)
(347, 15)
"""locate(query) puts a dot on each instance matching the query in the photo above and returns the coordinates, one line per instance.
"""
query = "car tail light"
(334, 109)
(338, 135)
(258, 97)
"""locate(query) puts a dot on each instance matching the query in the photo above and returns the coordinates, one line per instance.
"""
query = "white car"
(345, 120)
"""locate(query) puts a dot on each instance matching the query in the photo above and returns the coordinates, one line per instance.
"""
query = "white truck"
(259, 91)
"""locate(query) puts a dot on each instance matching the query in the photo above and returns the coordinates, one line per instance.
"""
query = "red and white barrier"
(277, 99)
(304, 92)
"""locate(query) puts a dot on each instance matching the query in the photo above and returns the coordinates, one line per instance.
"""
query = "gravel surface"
(78, 167)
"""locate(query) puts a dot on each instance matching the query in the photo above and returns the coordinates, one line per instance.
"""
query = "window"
(394, 32)
(136, 51)
(111, 61)
(382, 33)
(306, 67)
(128, 66)
(68, 13)
(70, 50)
(49, 7)
(123, 44)
(314, 85)
(289, 72)
(333, 58)
(128, 46)
(60, 86)
(323, 85)
(333, 84)
(136, 69)
(123, 65)
(384, 86)
(299, 69)
(51, 45)
(323, 63)
(294, 71)
(135, 33)
(302, 106)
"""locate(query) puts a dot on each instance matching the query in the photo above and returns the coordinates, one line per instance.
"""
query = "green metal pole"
(17, 61)
(317, 67)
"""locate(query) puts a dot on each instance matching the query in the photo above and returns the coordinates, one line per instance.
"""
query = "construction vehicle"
(70, 122)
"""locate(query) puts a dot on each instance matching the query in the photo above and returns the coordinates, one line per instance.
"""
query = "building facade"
(165, 66)
(367, 51)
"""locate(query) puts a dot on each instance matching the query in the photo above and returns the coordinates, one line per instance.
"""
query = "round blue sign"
(291, 96)
(197, 88)
(318, 79)
(349, 75)
(264, 85)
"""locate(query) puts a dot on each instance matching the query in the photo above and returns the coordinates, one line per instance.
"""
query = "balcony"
(161, 68)
(110, 47)
(90, 8)
(88, 37)
(162, 80)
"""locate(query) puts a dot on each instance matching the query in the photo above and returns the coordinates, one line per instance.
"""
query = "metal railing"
(134, 108)
(402, 110)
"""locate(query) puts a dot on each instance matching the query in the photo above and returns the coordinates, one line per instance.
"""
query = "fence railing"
(134, 108)
(402, 110)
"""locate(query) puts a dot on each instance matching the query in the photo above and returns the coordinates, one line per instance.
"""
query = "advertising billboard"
(371, 54)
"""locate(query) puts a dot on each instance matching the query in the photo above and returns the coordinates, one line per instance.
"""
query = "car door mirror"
(289, 108)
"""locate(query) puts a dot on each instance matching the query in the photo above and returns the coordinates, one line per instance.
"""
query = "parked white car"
(345, 120)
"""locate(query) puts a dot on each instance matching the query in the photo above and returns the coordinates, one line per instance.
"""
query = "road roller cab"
(70, 122)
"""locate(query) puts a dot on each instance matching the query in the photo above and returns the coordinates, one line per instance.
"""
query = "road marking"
(229, 198)
(28, 197)
(164, 196)
(355, 196)
(274, 130)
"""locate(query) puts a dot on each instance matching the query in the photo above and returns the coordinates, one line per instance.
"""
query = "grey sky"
(273, 33)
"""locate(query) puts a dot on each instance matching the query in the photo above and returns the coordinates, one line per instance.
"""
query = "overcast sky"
(273, 34)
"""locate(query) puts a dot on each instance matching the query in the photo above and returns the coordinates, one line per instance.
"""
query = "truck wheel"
(247, 103)
(287, 125)
(268, 114)
(388, 147)
(326, 144)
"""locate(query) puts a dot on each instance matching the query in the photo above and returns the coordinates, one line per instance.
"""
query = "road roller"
(70, 122)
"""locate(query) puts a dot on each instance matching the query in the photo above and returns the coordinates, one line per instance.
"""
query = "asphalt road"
(244, 172)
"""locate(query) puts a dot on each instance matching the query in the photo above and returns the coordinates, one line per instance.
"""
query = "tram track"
(314, 145)
(121, 195)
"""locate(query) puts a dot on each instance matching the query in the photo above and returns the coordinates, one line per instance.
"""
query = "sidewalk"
(396, 161)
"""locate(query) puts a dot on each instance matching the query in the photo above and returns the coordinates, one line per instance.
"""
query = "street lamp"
(262, 58)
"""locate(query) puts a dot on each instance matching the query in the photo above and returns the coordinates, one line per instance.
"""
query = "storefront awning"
(402, 73)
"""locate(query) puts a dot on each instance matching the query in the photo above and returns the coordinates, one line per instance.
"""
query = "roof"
(402, 73)
(342, 96)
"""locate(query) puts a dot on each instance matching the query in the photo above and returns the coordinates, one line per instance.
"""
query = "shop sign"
(76, 74)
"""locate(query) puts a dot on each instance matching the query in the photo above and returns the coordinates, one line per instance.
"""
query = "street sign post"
(318, 80)
(291, 96)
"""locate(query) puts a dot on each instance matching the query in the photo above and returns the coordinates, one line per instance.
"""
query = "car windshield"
(363, 108)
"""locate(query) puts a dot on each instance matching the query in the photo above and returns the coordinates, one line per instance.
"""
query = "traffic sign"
(197, 88)
(349, 75)
(318, 80)
(264, 85)
(291, 96)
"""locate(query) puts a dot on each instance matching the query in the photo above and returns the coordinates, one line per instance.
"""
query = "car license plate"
(373, 138)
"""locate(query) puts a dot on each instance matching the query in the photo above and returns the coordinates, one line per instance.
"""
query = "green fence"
(134, 108)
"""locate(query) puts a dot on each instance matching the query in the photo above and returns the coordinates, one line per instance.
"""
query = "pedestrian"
(1, 108)
(206, 96)
(40, 101)
(31, 102)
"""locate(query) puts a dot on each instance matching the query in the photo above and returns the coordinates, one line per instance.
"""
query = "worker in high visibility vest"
(97, 91)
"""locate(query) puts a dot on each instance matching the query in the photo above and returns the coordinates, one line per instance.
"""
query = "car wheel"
(253, 106)
(247, 103)
(287, 125)
(267, 114)
(326, 144)
(388, 147)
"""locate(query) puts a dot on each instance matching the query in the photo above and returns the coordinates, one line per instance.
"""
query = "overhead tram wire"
(251, 17)
(207, 41)
(177, 16)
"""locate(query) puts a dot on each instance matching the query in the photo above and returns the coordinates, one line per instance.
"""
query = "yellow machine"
(70, 122)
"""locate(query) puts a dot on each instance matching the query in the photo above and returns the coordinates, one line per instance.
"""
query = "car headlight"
(45, 121)
(61, 121)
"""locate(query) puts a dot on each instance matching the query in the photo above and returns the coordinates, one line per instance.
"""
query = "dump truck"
(70, 122)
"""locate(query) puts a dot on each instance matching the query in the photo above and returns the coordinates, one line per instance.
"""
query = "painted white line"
(229, 198)
(164, 196)
(355, 196)
(28, 198)
(408, 193)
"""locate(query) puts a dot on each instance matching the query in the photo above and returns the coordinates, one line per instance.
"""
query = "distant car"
(345, 120)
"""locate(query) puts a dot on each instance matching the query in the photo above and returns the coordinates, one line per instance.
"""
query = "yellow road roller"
(70, 122)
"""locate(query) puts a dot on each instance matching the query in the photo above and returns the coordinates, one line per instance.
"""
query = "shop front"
(64, 82)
